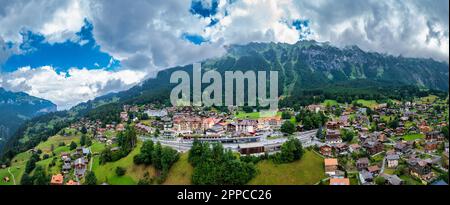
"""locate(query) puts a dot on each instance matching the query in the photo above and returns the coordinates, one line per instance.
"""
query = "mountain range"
(306, 65)
(16, 108)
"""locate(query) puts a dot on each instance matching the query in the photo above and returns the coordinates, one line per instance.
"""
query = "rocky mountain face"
(15, 108)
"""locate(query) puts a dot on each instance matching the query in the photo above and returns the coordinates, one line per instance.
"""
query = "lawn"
(106, 172)
(429, 99)
(251, 115)
(412, 137)
(330, 103)
(17, 171)
(372, 104)
(181, 172)
(307, 171)
(55, 141)
(97, 147)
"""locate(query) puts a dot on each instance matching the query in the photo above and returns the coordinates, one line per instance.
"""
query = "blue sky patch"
(194, 38)
(198, 8)
(62, 56)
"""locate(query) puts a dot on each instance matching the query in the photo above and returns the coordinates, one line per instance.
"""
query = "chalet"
(402, 147)
(331, 166)
(375, 170)
(365, 177)
(341, 148)
(251, 148)
(392, 160)
(339, 181)
(326, 150)
(57, 179)
(333, 137)
(66, 168)
(373, 147)
(420, 168)
(431, 146)
(424, 129)
(80, 166)
(392, 179)
(382, 138)
(362, 163)
(434, 136)
(354, 148)
(143, 128)
(332, 125)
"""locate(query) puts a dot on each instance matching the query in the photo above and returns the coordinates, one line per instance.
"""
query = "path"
(12, 175)
(92, 159)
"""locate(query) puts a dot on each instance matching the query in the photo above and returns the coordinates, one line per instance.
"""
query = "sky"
(75, 50)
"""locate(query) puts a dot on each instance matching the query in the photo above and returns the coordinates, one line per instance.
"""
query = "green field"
(412, 137)
(429, 99)
(251, 115)
(307, 171)
(55, 141)
(106, 172)
(181, 172)
(330, 103)
(372, 104)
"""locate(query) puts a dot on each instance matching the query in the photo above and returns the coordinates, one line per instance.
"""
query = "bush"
(120, 171)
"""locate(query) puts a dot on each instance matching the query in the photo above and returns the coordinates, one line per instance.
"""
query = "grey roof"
(392, 157)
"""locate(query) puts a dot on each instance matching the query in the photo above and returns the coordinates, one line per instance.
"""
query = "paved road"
(12, 175)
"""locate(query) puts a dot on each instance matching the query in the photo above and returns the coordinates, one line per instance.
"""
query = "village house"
(326, 150)
(144, 128)
(434, 136)
(332, 125)
(80, 166)
(333, 137)
(354, 148)
(392, 179)
(362, 163)
(331, 166)
(341, 148)
(431, 146)
(420, 168)
(365, 177)
(373, 147)
(57, 179)
(374, 170)
(392, 160)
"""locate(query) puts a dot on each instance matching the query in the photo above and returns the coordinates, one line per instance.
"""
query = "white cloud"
(57, 20)
(146, 35)
(71, 88)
